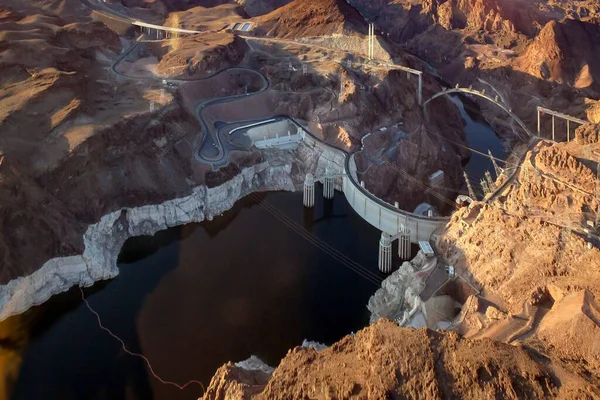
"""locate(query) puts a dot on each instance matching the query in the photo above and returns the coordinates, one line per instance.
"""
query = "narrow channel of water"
(481, 137)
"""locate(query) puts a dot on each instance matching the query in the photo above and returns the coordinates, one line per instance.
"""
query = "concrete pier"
(385, 253)
(309, 191)
(328, 187)
(404, 243)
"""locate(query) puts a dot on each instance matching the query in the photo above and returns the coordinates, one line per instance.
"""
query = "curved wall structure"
(383, 216)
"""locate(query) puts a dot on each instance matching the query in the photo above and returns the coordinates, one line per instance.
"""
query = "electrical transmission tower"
(485, 187)
(490, 181)
(497, 169)
(469, 187)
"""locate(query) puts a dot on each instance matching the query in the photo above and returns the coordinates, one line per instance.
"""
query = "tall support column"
(328, 188)
(553, 127)
(568, 131)
(497, 169)
(539, 122)
(309, 191)
(404, 243)
(385, 253)
(472, 193)
(371, 40)
(369, 43)
(420, 90)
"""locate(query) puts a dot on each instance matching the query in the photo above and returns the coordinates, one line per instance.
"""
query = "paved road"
(205, 152)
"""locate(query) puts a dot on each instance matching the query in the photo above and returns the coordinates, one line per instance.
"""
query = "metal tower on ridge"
(497, 169)
(469, 187)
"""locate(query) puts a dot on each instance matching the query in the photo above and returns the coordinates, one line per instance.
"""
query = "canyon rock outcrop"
(385, 360)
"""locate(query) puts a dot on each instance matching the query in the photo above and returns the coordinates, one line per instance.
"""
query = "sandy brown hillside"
(561, 53)
(312, 18)
(385, 361)
(44, 61)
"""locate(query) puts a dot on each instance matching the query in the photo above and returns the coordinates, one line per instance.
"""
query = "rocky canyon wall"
(104, 239)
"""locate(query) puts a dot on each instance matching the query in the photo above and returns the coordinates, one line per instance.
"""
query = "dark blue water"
(194, 297)
(481, 137)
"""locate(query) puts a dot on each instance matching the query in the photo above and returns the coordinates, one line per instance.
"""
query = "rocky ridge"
(385, 361)
(302, 18)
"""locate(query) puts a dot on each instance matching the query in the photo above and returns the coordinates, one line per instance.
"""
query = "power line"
(134, 354)
(342, 258)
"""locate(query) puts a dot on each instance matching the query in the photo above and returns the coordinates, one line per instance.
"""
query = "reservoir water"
(194, 297)
(482, 138)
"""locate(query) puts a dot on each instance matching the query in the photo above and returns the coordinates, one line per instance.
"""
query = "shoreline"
(104, 239)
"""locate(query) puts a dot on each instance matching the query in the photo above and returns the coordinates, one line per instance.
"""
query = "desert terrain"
(101, 116)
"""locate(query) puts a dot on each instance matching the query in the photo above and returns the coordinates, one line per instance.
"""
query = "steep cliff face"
(487, 15)
(561, 53)
(406, 19)
(95, 259)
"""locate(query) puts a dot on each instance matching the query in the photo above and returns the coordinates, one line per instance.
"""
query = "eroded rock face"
(534, 252)
(386, 361)
(389, 301)
(220, 51)
(563, 327)
(312, 18)
(593, 112)
(588, 134)
(102, 241)
(237, 382)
